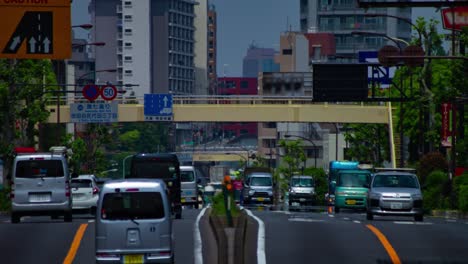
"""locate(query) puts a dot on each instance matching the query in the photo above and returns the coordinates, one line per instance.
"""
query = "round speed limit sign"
(108, 92)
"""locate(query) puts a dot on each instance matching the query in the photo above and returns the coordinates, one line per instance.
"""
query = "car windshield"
(353, 179)
(302, 182)
(395, 181)
(153, 169)
(260, 181)
(132, 205)
(187, 176)
(81, 183)
(39, 168)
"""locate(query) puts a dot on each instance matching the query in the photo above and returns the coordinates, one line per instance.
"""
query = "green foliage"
(436, 191)
(368, 142)
(463, 198)
(321, 183)
(219, 207)
(294, 157)
(431, 162)
(5, 202)
(460, 189)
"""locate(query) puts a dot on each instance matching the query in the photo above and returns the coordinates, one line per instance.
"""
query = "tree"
(368, 142)
(294, 157)
(24, 92)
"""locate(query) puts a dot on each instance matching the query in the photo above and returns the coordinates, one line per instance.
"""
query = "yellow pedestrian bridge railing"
(244, 109)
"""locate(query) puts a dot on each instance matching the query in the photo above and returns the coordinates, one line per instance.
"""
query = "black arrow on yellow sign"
(37, 29)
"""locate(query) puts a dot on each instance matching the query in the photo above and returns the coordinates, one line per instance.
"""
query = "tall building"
(258, 60)
(341, 17)
(150, 43)
(212, 37)
(201, 48)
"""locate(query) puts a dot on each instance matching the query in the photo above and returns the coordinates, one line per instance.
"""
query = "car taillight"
(67, 189)
(95, 190)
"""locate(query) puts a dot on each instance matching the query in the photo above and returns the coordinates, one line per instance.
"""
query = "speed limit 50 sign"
(108, 92)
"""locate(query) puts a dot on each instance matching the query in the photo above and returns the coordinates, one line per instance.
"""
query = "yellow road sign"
(35, 29)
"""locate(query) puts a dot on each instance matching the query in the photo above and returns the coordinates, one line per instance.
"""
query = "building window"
(244, 84)
(128, 3)
(287, 51)
(128, 31)
(128, 44)
(128, 18)
(128, 58)
(128, 72)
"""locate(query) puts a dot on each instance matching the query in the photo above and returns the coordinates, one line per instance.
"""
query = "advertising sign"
(455, 18)
(446, 135)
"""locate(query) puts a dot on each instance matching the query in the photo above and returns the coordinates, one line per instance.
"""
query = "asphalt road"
(43, 240)
(319, 237)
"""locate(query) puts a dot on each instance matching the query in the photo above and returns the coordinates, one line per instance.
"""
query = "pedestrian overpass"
(295, 109)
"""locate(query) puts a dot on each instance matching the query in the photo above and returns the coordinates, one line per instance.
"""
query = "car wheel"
(369, 216)
(68, 217)
(15, 218)
(337, 209)
(418, 218)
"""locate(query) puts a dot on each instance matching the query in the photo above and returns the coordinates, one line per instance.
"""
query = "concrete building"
(212, 49)
(201, 48)
(151, 43)
(258, 60)
(341, 17)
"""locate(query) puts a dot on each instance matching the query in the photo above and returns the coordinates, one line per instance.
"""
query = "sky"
(241, 23)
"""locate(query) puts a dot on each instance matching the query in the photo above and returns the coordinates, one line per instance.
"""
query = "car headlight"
(416, 196)
(270, 193)
(291, 191)
(251, 192)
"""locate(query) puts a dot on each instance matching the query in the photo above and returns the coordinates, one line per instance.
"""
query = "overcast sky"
(242, 22)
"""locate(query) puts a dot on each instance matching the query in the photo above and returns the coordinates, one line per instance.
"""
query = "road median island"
(236, 244)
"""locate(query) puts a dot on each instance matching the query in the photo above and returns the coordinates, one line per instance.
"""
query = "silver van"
(301, 190)
(133, 222)
(40, 185)
(189, 181)
(258, 188)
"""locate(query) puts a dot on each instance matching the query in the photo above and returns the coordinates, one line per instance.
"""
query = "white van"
(133, 222)
(189, 185)
(40, 185)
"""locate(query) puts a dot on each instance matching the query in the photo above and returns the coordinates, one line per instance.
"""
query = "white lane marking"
(260, 240)
(331, 215)
(198, 250)
(90, 221)
(451, 220)
(346, 218)
(356, 221)
(305, 220)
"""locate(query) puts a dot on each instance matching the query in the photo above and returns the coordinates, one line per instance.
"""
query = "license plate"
(396, 205)
(39, 198)
(133, 259)
(295, 204)
(351, 202)
(260, 199)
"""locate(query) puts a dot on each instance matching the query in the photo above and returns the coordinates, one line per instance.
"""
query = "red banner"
(446, 139)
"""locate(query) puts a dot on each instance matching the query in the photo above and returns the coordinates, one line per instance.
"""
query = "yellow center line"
(75, 244)
(388, 247)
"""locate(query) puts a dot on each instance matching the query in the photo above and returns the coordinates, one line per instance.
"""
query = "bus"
(163, 166)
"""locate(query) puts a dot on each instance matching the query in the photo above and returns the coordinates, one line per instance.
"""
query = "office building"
(341, 17)
(150, 43)
(258, 60)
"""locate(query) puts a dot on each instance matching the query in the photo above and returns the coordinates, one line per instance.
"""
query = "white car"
(85, 193)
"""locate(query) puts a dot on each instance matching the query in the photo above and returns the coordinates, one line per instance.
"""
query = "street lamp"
(78, 81)
(306, 139)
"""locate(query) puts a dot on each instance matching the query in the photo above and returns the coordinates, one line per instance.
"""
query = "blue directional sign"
(158, 107)
(383, 76)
